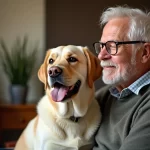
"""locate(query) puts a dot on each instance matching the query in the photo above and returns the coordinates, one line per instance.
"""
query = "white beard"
(114, 76)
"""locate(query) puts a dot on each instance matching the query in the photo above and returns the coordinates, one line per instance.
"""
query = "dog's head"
(69, 72)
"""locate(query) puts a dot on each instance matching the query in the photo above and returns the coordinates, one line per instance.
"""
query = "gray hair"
(139, 25)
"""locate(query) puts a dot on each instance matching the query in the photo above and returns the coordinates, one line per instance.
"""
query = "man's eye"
(51, 61)
(72, 59)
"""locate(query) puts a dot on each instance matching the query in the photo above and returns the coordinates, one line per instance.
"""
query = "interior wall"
(19, 18)
(77, 23)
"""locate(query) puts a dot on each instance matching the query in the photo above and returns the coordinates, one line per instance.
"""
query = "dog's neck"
(74, 119)
(72, 109)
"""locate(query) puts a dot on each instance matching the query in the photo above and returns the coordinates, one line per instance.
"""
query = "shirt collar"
(140, 83)
(135, 87)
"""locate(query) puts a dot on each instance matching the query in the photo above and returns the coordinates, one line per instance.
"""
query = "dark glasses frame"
(116, 43)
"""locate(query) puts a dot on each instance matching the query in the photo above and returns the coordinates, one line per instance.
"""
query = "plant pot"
(18, 94)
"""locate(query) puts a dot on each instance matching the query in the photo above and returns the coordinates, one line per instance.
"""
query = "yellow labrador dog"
(68, 114)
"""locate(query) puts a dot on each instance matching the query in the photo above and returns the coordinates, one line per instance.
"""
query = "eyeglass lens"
(110, 47)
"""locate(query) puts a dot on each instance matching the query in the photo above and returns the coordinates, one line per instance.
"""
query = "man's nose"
(103, 54)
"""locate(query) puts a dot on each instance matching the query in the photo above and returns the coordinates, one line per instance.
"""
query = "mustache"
(108, 64)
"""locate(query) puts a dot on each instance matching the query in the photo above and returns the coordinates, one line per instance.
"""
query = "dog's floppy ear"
(94, 68)
(42, 73)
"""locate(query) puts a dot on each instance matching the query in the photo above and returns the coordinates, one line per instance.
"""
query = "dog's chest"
(74, 130)
(66, 135)
(70, 144)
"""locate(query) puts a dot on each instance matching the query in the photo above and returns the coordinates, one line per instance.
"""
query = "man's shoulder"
(102, 94)
(102, 91)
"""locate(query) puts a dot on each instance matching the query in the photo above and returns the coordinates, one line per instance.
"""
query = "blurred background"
(17, 19)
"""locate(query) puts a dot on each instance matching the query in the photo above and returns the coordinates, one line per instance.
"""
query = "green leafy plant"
(19, 62)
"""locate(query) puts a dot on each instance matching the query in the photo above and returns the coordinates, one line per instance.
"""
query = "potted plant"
(18, 64)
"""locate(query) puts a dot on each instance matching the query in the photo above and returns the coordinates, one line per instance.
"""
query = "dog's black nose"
(55, 71)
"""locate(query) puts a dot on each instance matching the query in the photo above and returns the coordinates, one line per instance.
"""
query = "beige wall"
(19, 18)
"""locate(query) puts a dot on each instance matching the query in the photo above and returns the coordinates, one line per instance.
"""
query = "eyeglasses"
(112, 46)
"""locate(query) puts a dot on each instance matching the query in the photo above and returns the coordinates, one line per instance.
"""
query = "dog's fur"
(68, 122)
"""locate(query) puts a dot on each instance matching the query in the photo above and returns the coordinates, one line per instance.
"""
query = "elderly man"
(124, 51)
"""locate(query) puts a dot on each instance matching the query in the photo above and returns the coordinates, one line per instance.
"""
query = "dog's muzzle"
(60, 91)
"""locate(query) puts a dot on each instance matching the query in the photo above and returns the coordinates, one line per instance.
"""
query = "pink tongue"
(59, 93)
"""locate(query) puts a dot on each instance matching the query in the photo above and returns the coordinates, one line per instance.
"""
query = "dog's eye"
(51, 61)
(72, 59)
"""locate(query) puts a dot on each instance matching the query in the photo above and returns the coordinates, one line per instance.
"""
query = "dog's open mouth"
(61, 92)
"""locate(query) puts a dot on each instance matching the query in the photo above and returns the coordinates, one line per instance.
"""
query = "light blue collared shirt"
(135, 87)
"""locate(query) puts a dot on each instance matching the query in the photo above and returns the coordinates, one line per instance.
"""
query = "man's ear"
(94, 68)
(42, 73)
(146, 53)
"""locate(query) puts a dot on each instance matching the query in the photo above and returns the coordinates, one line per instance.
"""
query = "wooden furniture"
(15, 117)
